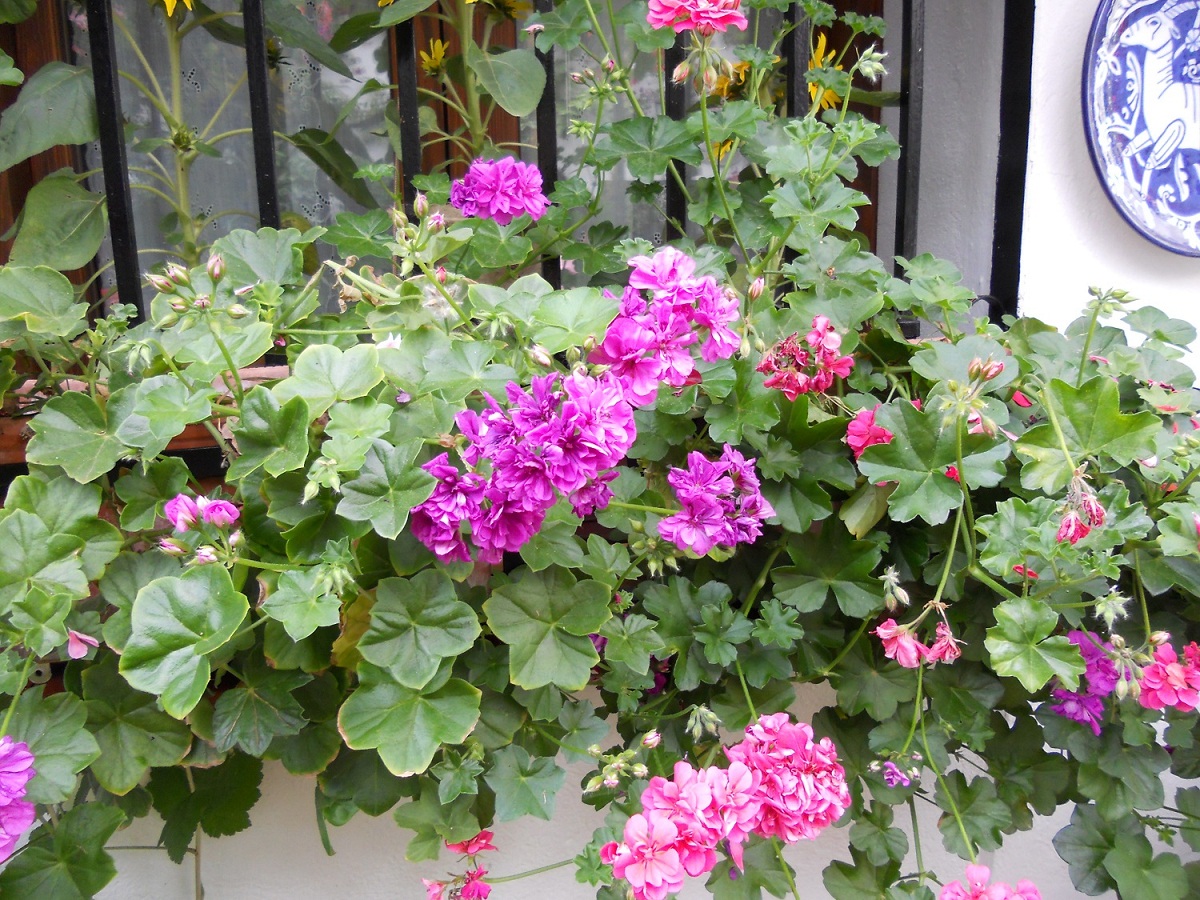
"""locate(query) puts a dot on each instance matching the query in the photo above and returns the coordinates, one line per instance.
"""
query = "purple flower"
(894, 775)
(455, 499)
(181, 511)
(221, 513)
(720, 503)
(500, 189)
(16, 814)
(1079, 707)
(1101, 672)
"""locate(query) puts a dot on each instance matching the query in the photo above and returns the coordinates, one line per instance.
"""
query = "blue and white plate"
(1141, 109)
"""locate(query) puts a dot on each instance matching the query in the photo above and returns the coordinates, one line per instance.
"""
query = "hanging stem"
(20, 689)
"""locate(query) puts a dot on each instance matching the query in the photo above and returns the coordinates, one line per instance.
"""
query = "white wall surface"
(1073, 236)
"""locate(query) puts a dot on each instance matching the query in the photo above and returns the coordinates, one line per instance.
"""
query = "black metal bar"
(112, 155)
(912, 100)
(1016, 85)
(260, 113)
(796, 50)
(408, 109)
(547, 139)
(676, 202)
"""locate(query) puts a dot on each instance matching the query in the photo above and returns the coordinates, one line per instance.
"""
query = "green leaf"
(361, 778)
(748, 405)
(269, 435)
(984, 815)
(566, 319)
(401, 11)
(67, 860)
(324, 374)
(816, 208)
(1020, 646)
(545, 618)
(38, 301)
(556, 542)
(918, 457)
(1124, 778)
(873, 834)
(942, 361)
(581, 729)
(267, 255)
(62, 225)
(220, 803)
(176, 622)
(303, 601)
(34, 559)
(295, 30)
(416, 623)
(524, 785)
(261, 709)
(1140, 875)
(56, 106)
(361, 234)
(331, 158)
(144, 493)
(14, 11)
(763, 872)
(387, 488)
(647, 145)
(162, 407)
(632, 640)
(1085, 843)
(407, 726)
(860, 879)
(721, 631)
(435, 822)
(456, 775)
(132, 733)
(1188, 800)
(678, 605)
(53, 727)
(72, 431)
(831, 560)
(1093, 427)
(877, 691)
(514, 78)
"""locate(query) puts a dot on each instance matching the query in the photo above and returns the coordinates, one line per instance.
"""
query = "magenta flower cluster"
(501, 190)
(721, 503)
(16, 813)
(811, 367)
(703, 16)
(1099, 680)
(183, 512)
(1169, 681)
(563, 436)
(976, 887)
(651, 340)
(780, 783)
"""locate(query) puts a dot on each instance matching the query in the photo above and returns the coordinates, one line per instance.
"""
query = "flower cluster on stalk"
(901, 643)
(810, 367)
(976, 887)
(1099, 680)
(500, 189)
(721, 502)
(563, 436)
(470, 885)
(1081, 513)
(780, 783)
(665, 310)
(204, 519)
(1169, 681)
(16, 814)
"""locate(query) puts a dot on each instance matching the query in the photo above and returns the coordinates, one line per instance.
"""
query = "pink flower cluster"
(471, 885)
(780, 783)
(1099, 680)
(862, 432)
(976, 887)
(561, 436)
(650, 340)
(810, 367)
(1169, 682)
(704, 16)
(16, 813)
(1083, 512)
(721, 503)
(500, 189)
(183, 512)
(901, 644)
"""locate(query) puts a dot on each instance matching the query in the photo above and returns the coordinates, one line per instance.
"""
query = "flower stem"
(538, 871)
(845, 650)
(737, 664)
(787, 872)
(962, 828)
(760, 581)
(1137, 589)
(12, 707)
(916, 828)
(912, 728)
(658, 510)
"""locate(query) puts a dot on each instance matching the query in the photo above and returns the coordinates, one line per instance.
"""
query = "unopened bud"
(639, 770)
(541, 356)
(216, 267)
(609, 64)
(179, 305)
(236, 539)
(757, 286)
(577, 77)
(682, 72)
(435, 223)
(1118, 642)
(421, 205)
(168, 320)
(594, 784)
(992, 369)
(202, 302)
(172, 547)
(975, 369)
(179, 275)
(1158, 638)
(205, 555)
(709, 80)
(441, 275)
(237, 311)
(160, 283)
(651, 740)
(535, 29)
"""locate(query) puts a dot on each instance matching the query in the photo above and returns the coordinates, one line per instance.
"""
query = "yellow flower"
(819, 59)
(509, 9)
(727, 85)
(721, 148)
(170, 5)
(435, 60)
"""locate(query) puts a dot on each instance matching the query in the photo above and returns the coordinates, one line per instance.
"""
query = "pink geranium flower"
(1169, 682)
(705, 16)
(900, 644)
(475, 888)
(976, 887)
(945, 649)
(78, 643)
(181, 511)
(862, 432)
(477, 844)
(220, 513)
(648, 858)
(501, 190)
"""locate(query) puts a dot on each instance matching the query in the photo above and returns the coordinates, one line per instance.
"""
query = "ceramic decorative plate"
(1141, 109)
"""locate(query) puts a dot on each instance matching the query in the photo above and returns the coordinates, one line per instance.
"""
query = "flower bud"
(203, 302)
(216, 267)
(435, 223)
(639, 770)
(682, 72)
(421, 205)
(237, 311)
(975, 369)
(399, 219)
(757, 286)
(205, 555)
(179, 305)
(441, 275)
(992, 369)
(179, 275)
(236, 540)
(577, 77)
(541, 356)
(609, 64)
(709, 80)
(168, 320)
(535, 29)
(1158, 638)
(611, 779)
(594, 784)
(160, 283)
(651, 739)
(172, 547)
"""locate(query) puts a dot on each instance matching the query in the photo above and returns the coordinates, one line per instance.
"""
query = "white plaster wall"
(1073, 236)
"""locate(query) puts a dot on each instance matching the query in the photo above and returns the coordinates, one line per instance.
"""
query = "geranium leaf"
(435, 822)
(72, 431)
(132, 732)
(54, 728)
(270, 435)
(831, 560)
(918, 458)
(144, 492)
(303, 601)
(361, 778)
(162, 407)
(545, 618)
(1140, 875)
(1020, 646)
(415, 624)
(220, 803)
(406, 726)
(1093, 427)
(951, 362)
(387, 488)
(176, 622)
(861, 686)
(984, 816)
(36, 559)
(66, 860)
(524, 785)
(259, 710)
(62, 225)
(565, 319)
(1123, 778)
(678, 606)
(647, 145)
(632, 640)
(324, 374)
(1084, 844)
(748, 405)
(456, 775)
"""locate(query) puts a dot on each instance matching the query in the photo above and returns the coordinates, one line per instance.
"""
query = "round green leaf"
(388, 486)
(303, 602)
(325, 374)
(62, 225)
(515, 79)
(72, 431)
(38, 301)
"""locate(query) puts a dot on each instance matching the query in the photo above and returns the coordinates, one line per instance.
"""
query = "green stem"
(12, 707)
(916, 829)
(473, 119)
(538, 871)
(787, 872)
(157, 97)
(968, 520)
(715, 159)
(249, 628)
(657, 510)
(846, 650)
(760, 581)
(220, 109)
(962, 828)
(1087, 344)
(1141, 592)
(912, 728)
(984, 578)
(941, 587)
(1054, 424)
(238, 390)
(260, 564)
(737, 665)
